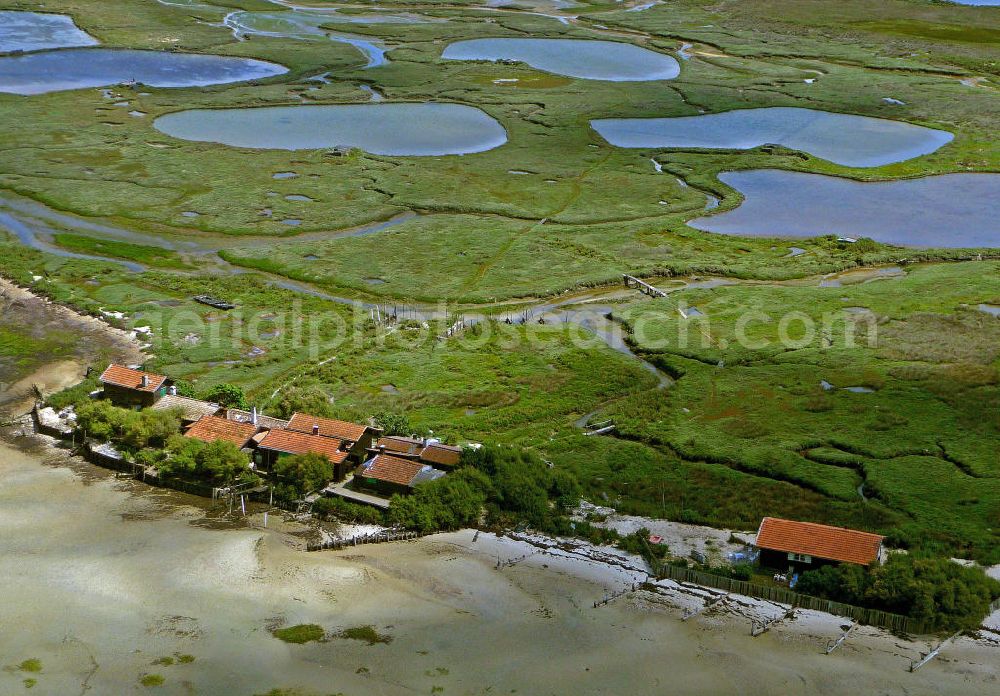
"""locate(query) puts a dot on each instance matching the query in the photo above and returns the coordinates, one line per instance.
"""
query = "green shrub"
(393, 423)
(220, 462)
(308, 399)
(513, 485)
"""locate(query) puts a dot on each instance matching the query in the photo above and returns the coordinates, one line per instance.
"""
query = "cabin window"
(800, 557)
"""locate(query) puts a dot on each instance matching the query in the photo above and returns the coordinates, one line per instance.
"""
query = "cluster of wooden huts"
(361, 457)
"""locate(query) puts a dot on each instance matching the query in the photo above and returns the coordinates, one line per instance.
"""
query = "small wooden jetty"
(917, 664)
(213, 302)
(612, 596)
(642, 286)
(833, 645)
(761, 626)
(602, 428)
(374, 538)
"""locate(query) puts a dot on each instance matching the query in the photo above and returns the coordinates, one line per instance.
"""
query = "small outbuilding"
(428, 451)
(214, 428)
(132, 388)
(191, 410)
(807, 545)
(389, 475)
(358, 436)
(276, 444)
(441, 455)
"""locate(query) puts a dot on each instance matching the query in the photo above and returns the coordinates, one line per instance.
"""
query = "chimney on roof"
(315, 428)
(253, 415)
(145, 381)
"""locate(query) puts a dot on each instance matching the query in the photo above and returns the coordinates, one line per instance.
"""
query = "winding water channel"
(590, 310)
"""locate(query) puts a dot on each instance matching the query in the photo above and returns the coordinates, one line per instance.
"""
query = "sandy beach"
(103, 577)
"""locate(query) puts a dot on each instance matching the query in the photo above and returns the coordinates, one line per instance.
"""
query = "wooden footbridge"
(642, 286)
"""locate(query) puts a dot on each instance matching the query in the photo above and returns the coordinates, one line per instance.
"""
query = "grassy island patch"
(139, 253)
(368, 634)
(151, 680)
(302, 633)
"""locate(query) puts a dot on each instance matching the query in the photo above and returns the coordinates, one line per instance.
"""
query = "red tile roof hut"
(358, 437)
(807, 545)
(127, 387)
(389, 475)
(213, 428)
(280, 443)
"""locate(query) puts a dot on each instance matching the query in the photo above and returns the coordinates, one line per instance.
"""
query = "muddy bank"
(141, 574)
(71, 341)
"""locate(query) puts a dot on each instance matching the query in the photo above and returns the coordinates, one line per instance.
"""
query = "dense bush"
(513, 486)
(450, 502)
(937, 591)
(347, 511)
(132, 430)
(227, 395)
(302, 473)
(309, 399)
(220, 463)
(525, 488)
(75, 394)
(393, 423)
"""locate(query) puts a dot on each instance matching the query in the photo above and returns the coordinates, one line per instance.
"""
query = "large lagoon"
(951, 210)
(381, 129)
(54, 71)
(592, 60)
(853, 141)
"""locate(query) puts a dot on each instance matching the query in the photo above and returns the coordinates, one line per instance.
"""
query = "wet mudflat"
(143, 574)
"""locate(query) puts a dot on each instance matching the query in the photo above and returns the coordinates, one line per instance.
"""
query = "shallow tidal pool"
(55, 71)
(950, 210)
(35, 31)
(410, 129)
(591, 60)
(853, 141)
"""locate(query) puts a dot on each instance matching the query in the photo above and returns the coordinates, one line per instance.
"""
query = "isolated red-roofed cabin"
(806, 545)
(125, 386)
